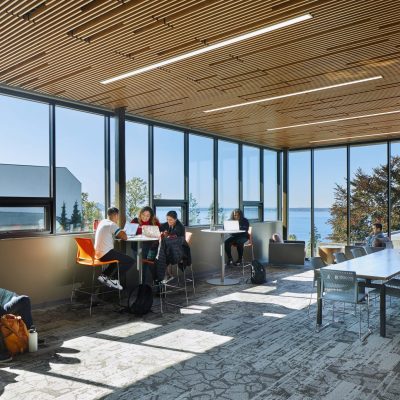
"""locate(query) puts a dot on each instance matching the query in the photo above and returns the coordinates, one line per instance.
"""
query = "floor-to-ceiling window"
(368, 189)
(330, 195)
(137, 167)
(168, 172)
(270, 186)
(251, 182)
(228, 179)
(395, 191)
(300, 197)
(80, 169)
(201, 179)
(24, 161)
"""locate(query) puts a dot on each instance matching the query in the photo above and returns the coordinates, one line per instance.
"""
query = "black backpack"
(143, 302)
(258, 273)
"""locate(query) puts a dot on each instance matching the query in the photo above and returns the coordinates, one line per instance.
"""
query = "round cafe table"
(222, 281)
(326, 251)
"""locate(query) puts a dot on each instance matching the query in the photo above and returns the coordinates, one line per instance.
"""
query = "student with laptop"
(106, 233)
(237, 239)
(146, 217)
(173, 227)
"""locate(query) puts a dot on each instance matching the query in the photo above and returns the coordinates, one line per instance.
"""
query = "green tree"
(292, 237)
(210, 213)
(368, 201)
(63, 218)
(194, 210)
(136, 195)
(76, 217)
(317, 240)
(90, 212)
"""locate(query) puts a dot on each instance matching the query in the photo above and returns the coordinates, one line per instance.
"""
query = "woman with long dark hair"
(237, 239)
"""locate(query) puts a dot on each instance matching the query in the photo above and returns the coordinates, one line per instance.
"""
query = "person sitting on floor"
(106, 233)
(12, 303)
(237, 239)
(375, 234)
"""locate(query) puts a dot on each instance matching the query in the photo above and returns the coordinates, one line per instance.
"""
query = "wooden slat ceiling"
(66, 47)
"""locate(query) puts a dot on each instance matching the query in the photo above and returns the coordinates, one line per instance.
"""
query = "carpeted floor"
(237, 342)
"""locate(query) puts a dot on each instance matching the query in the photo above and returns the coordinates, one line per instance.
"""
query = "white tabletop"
(140, 238)
(381, 265)
(220, 231)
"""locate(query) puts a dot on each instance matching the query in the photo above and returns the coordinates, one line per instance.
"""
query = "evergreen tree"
(194, 210)
(63, 218)
(76, 218)
(90, 212)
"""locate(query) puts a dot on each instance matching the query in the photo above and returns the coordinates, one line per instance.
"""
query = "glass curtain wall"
(201, 179)
(228, 179)
(395, 191)
(270, 186)
(251, 181)
(137, 167)
(80, 174)
(300, 197)
(24, 161)
(368, 189)
(330, 195)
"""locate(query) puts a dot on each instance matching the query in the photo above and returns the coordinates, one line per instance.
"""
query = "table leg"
(319, 304)
(222, 281)
(139, 264)
(382, 296)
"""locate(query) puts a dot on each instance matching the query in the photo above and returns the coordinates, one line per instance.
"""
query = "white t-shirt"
(105, 235)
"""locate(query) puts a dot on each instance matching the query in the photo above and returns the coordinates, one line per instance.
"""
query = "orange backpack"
(15, 334)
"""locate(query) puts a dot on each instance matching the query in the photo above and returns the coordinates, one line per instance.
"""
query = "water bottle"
(33, 340)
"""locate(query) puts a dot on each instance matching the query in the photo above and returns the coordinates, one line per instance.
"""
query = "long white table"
(222, 281)
(382, 265)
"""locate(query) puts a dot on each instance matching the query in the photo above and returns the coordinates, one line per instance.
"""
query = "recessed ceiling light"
(354, 137)
(334, 120)
(211, 47)
(247, 103)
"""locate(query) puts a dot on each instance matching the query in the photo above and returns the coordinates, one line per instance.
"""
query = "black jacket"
(177, 230)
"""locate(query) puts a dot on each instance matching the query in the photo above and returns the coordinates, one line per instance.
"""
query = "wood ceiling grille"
(67, 47)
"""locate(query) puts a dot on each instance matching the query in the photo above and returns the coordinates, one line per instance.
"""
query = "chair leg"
(191, 269)
(73, 283)
(184, 281)
(311, 294)
(119, 291)
(91, 293)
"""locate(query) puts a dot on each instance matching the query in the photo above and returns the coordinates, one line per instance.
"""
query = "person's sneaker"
(239, 262)
(5, 358)
(168, 279)
(229, 263)
(112, 283)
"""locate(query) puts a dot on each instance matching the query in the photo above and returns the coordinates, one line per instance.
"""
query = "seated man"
(107, 231)
(375, 234)
(12, 303)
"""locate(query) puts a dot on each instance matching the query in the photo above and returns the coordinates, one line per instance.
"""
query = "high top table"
(222, 281)
(382, 265)
(139, 262)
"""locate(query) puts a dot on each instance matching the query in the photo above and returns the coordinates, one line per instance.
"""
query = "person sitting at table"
(146, 216)
(106, 233)
(173, 227)
(276, 238)
(375, 234)
(237, 239)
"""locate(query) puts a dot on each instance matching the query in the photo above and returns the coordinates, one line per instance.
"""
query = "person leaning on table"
(106, 233)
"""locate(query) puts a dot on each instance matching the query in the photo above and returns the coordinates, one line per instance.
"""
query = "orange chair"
(86, 256)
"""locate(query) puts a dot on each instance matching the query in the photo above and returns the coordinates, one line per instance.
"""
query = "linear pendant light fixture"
(247, 103)
(354, 137)
(333, 120)
(215, 46)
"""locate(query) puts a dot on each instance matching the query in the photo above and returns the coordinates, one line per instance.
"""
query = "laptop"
(231, 225)
(152, 231)
(130, 229)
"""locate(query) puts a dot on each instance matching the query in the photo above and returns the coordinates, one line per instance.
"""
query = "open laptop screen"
(131, 229)
(231, 225)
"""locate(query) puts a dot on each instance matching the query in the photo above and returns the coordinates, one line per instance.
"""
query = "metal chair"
(342, 286)
(248, 244)
(86, 256)
(316, 263)
(358, 252)
(339, 257)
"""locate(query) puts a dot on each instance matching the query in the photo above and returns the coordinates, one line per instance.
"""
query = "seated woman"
(237, 239)
(146, 216)
(173, 227)
(276, 238)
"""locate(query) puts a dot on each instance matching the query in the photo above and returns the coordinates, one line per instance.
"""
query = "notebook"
(130, 229)
(231, 225)
(152, 231)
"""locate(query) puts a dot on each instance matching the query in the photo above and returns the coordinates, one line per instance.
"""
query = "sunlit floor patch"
(273, 315)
